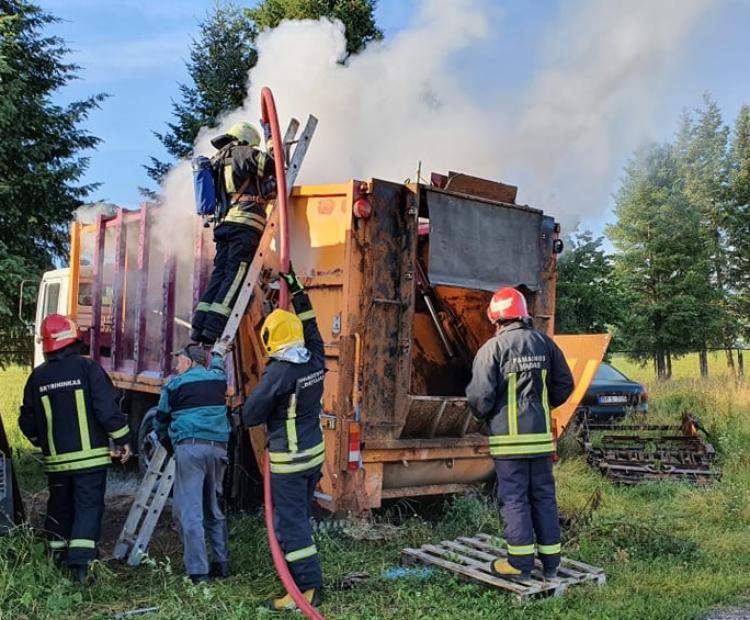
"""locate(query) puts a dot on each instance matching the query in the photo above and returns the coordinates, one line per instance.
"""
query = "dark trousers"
(526, 490)
(292, 496)
(235, 248)
(74, 514)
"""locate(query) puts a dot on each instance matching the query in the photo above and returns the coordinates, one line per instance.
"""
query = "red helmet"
(507, 304)
(58, 331)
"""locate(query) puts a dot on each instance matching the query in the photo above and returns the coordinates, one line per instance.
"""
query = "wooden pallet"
(471, 557)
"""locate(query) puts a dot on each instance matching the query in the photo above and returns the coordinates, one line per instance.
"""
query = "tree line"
(678, 278)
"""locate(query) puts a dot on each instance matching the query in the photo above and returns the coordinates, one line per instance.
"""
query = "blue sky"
(135, 51)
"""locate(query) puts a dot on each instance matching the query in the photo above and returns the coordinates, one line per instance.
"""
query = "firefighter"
(245, 181)
(192, 423)
(70, 411)
(288, 400)
(516, 377)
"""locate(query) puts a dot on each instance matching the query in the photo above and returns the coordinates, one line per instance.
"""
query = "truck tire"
(145, 443)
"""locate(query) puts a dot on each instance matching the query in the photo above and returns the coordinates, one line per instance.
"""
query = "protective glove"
(266, 130)
(293, 284)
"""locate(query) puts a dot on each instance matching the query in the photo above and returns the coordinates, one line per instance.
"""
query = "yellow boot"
(286, 602)
(503, 568)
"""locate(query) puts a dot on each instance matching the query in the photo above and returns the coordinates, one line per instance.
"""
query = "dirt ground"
(120, 492)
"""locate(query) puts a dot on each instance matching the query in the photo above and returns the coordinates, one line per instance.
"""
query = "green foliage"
(662, 262)
(358, 17)
(220, 60)
(224, 53)
(588, 301)
(40, 150)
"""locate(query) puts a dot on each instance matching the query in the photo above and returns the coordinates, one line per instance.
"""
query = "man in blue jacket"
(287, 400)
(192, 420)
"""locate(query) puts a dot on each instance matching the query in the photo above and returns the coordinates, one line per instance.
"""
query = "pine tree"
(739, 216)
(662, 261)
(358, 17)
(220, 60)
(40, 150)
(702, 146)
(587, 299)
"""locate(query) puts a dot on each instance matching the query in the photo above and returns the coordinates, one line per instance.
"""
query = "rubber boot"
(286, 603)
(503, 568)
(550, 573)
(196, 579)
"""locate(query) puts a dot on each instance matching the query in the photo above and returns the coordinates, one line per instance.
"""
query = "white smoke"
(87, 213)
(603, 70)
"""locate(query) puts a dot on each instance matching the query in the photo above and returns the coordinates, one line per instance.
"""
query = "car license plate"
(613, 399)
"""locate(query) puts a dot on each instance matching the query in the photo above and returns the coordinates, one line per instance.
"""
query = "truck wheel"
(146, 445)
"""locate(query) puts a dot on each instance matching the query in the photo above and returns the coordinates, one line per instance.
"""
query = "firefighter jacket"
(70, 410)
(288, 400)
(517, 375)
(192, 405)
(247, 180)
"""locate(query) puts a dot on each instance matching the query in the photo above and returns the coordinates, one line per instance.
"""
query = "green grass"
(670, 551)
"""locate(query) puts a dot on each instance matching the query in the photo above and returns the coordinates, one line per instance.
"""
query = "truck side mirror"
(20, 302)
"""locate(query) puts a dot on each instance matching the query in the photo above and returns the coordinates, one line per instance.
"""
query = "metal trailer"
(399, 276)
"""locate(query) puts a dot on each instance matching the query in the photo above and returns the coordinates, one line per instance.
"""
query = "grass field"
(670, 551)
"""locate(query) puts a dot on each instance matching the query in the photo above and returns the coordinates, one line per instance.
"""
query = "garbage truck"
(399, 274)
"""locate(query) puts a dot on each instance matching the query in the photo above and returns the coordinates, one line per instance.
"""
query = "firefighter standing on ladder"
(70, 410)
(517, 375)
(245, 180)
(288, 400)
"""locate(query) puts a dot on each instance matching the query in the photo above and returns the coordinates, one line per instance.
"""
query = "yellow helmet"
(242, 132)
(281, 329)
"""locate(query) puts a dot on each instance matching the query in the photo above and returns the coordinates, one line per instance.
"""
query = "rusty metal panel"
(98, 275)
(584, 353)
(483, 245)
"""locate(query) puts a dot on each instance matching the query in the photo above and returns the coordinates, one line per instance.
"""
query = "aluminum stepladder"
(157, 482)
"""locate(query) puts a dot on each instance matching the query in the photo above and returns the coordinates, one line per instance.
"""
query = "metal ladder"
(156, 485)
(148, 504)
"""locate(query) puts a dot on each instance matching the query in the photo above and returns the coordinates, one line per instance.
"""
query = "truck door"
(52, 298)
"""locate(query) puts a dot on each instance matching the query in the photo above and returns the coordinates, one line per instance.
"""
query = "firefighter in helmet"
(287, 400)
(70, 411)
(517, 376)
(245, 181)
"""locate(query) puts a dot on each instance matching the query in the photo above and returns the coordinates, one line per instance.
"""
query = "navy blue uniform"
(70, 411)
(288, 400)
(237, 233)
(516, 377)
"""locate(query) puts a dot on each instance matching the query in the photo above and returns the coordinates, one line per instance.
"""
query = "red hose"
(268, 110)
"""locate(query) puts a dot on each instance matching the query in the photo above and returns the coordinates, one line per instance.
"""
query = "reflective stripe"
(520, 549)
(221, 309)
(512, 405)
(229, 178)
(304, 316)
(549, 549)
(260, 162)
(545, 399)
(203, 306)
(48, 415)
(83, 422)
(57, 544)
(279, 468)
(288, 457)
(253, 220)
(524, 438)
(82, 543)
(538, 448)
(301, 554)
(97, 462)
(291, 424)
(235, 283)
(76, 456)
(120, 432)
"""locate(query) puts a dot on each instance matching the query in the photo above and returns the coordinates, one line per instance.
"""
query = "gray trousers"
(199, 475)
